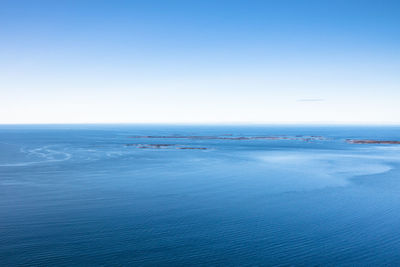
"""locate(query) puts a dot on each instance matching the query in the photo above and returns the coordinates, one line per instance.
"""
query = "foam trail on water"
(49, 155)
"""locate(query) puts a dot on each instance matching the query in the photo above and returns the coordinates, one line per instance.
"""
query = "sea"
(199, 195)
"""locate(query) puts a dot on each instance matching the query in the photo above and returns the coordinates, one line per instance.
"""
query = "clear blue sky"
(200, 61)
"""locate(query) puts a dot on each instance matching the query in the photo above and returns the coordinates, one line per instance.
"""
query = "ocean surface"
(158, 195)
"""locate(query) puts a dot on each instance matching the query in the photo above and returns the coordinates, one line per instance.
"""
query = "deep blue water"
(74, 195)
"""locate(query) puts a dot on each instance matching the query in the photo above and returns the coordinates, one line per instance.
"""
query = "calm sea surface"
(198, 195)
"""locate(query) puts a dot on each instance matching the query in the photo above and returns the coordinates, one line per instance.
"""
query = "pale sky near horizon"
(198, 61)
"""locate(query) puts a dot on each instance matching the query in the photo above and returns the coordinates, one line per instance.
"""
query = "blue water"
(73, 195)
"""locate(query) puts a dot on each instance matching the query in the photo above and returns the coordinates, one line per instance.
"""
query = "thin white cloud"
(311, 100)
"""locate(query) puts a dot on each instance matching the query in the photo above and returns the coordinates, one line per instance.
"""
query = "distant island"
(384, 142)
(241, 138)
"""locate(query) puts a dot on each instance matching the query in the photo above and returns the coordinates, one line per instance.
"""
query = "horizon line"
(212, 123)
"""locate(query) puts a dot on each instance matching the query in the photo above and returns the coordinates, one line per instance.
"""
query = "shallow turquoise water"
(77, 195)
